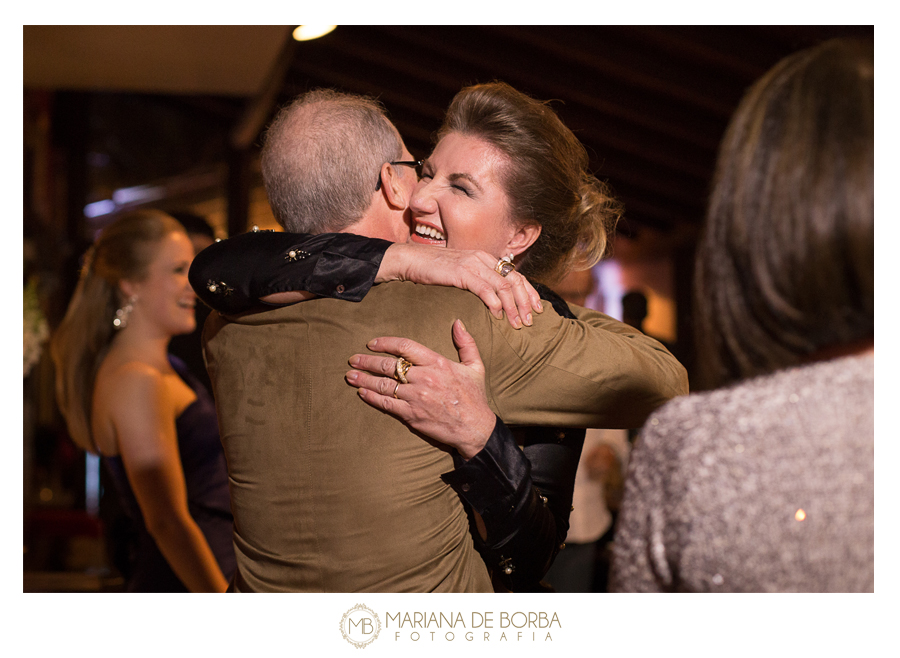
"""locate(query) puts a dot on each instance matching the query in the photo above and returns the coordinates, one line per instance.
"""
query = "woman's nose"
(421, 201)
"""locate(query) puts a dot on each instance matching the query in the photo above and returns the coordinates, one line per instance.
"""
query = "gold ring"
(504, 266)
(401, 369)
(395, 390)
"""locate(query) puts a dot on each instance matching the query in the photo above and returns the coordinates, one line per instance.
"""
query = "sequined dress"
(765, 486)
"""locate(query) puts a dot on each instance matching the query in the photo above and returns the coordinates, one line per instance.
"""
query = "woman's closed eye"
(427, 177)
(463, 183)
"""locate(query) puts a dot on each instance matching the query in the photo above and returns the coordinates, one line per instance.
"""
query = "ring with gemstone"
(504, 266)
(401, 369)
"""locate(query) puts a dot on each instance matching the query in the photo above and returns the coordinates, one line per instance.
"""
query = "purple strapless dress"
(206, 478)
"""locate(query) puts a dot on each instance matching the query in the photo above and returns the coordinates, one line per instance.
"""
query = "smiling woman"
(167, 301)
(460, 201)
(153, 424)
(565, 213)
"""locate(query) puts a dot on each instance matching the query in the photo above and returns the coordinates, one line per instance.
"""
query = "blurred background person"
(634, 309)
(126, 399)
(766, 484)
(582, 566)
(634, 313)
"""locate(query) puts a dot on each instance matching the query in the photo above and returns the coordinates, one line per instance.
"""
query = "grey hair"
(322, 157)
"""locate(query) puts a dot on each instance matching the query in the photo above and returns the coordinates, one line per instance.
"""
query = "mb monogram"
(360, 626)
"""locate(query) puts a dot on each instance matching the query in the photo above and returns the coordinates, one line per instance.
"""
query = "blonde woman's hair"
(546, 179)
(123, 251)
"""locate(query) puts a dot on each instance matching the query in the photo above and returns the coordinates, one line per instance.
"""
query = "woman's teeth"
(429, 232)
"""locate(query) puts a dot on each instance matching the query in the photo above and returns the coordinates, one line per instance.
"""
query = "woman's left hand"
(442, 399)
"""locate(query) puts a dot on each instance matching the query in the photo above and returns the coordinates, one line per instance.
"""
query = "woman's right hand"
(468, 270)
(442, 399)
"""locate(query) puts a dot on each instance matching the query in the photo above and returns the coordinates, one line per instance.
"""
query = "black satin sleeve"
(232, 275)
(524, 495)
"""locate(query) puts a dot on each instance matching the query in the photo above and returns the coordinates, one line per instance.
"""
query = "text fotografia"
(482, 626)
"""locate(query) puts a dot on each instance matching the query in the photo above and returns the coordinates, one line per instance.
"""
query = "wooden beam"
(260, 107)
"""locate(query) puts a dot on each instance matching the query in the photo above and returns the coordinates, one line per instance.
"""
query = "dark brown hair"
(785, 265)
(546, 180)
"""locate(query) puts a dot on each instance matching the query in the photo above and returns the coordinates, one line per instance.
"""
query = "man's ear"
(392, 182)
(523, 237)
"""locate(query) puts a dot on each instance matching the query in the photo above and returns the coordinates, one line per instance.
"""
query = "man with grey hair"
(330, 494)
(318, 163)
(315, 181)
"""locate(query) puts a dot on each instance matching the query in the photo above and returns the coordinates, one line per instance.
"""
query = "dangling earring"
(122, 314)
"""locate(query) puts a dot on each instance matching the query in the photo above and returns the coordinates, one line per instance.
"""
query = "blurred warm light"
(800, 515)
(307, 32)
(46, 495)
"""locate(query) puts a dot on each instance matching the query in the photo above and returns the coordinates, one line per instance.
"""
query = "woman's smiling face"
(460, 201)
(165, 298)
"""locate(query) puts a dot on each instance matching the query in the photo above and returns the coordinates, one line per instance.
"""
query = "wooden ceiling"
(649, 103)
(231, 60)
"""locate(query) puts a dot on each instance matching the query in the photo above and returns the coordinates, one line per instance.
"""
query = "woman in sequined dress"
(766, 483)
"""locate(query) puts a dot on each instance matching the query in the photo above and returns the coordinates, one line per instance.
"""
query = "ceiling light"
(307, 32)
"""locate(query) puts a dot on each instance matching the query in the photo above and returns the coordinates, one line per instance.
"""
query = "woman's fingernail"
(354, 361)
(461, 325)
(372, 343)
(352, 376)
(540, 307)
(528, 319)
(517, 323)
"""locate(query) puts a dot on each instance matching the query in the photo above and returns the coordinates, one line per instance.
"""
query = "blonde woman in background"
(151, 422)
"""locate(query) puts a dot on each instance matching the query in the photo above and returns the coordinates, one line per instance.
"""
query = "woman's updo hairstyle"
(123, 251)
(546, 180)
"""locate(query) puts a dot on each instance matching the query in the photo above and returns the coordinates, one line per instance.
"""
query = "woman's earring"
(122, 314)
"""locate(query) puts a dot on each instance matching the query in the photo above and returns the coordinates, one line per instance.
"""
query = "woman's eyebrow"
(455, 177)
